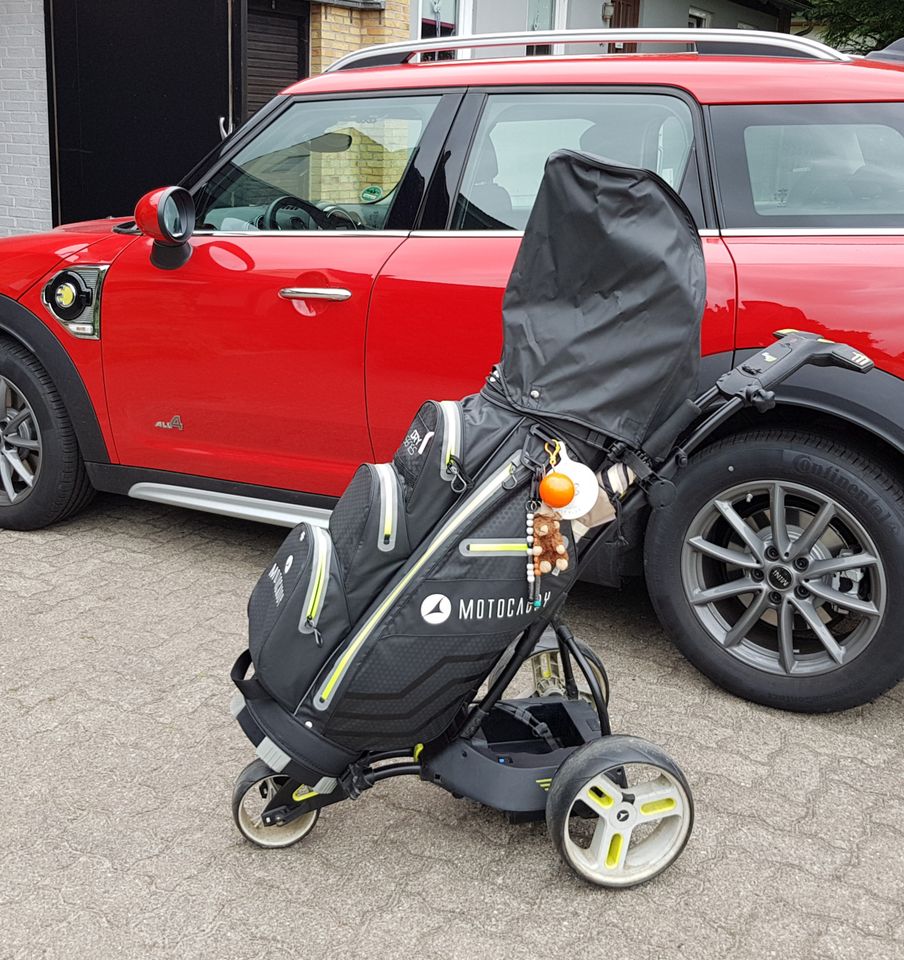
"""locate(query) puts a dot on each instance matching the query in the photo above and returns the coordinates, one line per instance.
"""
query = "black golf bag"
(373, 635)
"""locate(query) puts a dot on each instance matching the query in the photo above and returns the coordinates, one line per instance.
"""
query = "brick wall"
(24, 136)
(339, 30)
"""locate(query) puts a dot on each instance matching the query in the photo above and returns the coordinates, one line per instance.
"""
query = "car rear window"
(838, 165)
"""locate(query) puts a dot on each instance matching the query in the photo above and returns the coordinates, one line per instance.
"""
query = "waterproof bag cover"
(602, 312)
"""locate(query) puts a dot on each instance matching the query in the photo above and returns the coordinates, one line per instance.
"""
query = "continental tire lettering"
(805, 465)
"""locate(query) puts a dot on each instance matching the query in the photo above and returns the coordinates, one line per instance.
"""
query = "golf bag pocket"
(429, 464)
(369, 531)
(297, 614)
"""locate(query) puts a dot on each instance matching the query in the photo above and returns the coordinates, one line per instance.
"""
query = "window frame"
(411, 189)
(765, 226)
(444, 190)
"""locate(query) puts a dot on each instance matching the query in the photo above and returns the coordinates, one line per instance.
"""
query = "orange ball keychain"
(556, 489)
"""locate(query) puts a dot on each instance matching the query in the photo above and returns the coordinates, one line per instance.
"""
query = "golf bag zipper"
(448, 468)
(502, 478)
(320, 573)
(388, 506)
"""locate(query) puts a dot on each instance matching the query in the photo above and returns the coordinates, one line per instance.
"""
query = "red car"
(347, 259)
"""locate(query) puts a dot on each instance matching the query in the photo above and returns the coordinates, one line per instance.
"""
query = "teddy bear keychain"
(546, 550)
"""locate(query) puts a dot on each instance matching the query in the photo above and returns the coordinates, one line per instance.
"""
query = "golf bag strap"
(537, 727)
(250, 689)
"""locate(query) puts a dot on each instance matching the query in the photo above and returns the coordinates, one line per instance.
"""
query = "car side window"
(517, 133)
(811, 165)
(328, 164)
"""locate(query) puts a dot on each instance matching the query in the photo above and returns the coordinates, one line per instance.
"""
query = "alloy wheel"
(20, 445)
(784, 578)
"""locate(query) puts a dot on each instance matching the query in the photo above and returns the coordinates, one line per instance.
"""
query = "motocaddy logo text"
(498, 608)
(437, 608)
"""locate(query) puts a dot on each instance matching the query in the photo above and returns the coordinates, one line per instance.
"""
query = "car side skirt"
(273, 505)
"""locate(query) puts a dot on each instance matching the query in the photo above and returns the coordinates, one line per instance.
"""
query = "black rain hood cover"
(603, 307)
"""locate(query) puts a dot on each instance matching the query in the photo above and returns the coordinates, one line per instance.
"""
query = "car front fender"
(20, 324)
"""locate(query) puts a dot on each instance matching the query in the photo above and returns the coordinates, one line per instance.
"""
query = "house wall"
(673, 13)
(588, 13)
(25, 204)
(339, 30)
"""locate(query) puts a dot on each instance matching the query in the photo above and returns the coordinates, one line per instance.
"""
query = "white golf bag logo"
(437, 608)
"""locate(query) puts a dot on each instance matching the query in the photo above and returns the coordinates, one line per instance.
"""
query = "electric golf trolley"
(448, 568)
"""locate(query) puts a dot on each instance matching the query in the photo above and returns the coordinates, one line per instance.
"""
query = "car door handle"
(314, 293)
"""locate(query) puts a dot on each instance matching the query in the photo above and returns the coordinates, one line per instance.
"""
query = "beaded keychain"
(545, 543)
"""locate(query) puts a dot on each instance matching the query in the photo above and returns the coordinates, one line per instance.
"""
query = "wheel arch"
(827, 402)
(22, 326)
(854, 408)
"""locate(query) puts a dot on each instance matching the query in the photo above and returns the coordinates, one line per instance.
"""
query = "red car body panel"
(434, 328)
(274, 387)
(91, 243)
(848, 288)
(710, 80)
(23, 260)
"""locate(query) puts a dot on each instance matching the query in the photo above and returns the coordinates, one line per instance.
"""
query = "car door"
(812, 199)
(247, 362)
(435, 327)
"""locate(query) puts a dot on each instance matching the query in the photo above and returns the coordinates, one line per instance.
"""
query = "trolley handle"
(754, 380)
(750, 384)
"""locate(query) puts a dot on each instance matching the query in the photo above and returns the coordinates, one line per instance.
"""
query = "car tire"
(753, 624)
(37, 440)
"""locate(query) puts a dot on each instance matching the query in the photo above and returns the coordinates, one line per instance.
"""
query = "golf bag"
(374, 634)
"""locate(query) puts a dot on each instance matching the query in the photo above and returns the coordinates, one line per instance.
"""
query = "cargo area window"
(517, 132)
(811, 165)
(333, 164)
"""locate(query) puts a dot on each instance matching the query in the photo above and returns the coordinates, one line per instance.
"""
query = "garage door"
(277, 49)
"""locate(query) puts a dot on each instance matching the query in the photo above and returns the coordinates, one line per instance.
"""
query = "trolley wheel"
(547, 675)
(619, 811)
(255, 787)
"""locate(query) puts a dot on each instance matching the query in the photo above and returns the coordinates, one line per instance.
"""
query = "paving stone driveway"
(118, 755)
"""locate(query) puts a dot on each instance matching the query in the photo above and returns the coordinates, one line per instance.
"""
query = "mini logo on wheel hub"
(780, 578)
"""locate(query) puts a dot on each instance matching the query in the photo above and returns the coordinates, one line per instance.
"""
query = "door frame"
(436, 215)
(414, 184)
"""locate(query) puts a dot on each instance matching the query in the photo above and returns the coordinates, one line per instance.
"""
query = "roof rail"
(717, 42)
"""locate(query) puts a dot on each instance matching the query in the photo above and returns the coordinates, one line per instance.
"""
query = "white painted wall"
(500, 15)
(673, 13)
(24, 131)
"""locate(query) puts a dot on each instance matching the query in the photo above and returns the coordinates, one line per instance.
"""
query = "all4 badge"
(174, 424)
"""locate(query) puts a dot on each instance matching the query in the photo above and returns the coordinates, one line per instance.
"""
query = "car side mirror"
(167, 216)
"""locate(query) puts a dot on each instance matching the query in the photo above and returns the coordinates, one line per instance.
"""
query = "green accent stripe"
(497, 547)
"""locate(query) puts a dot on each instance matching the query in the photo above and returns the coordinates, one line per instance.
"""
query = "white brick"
(24, 133)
